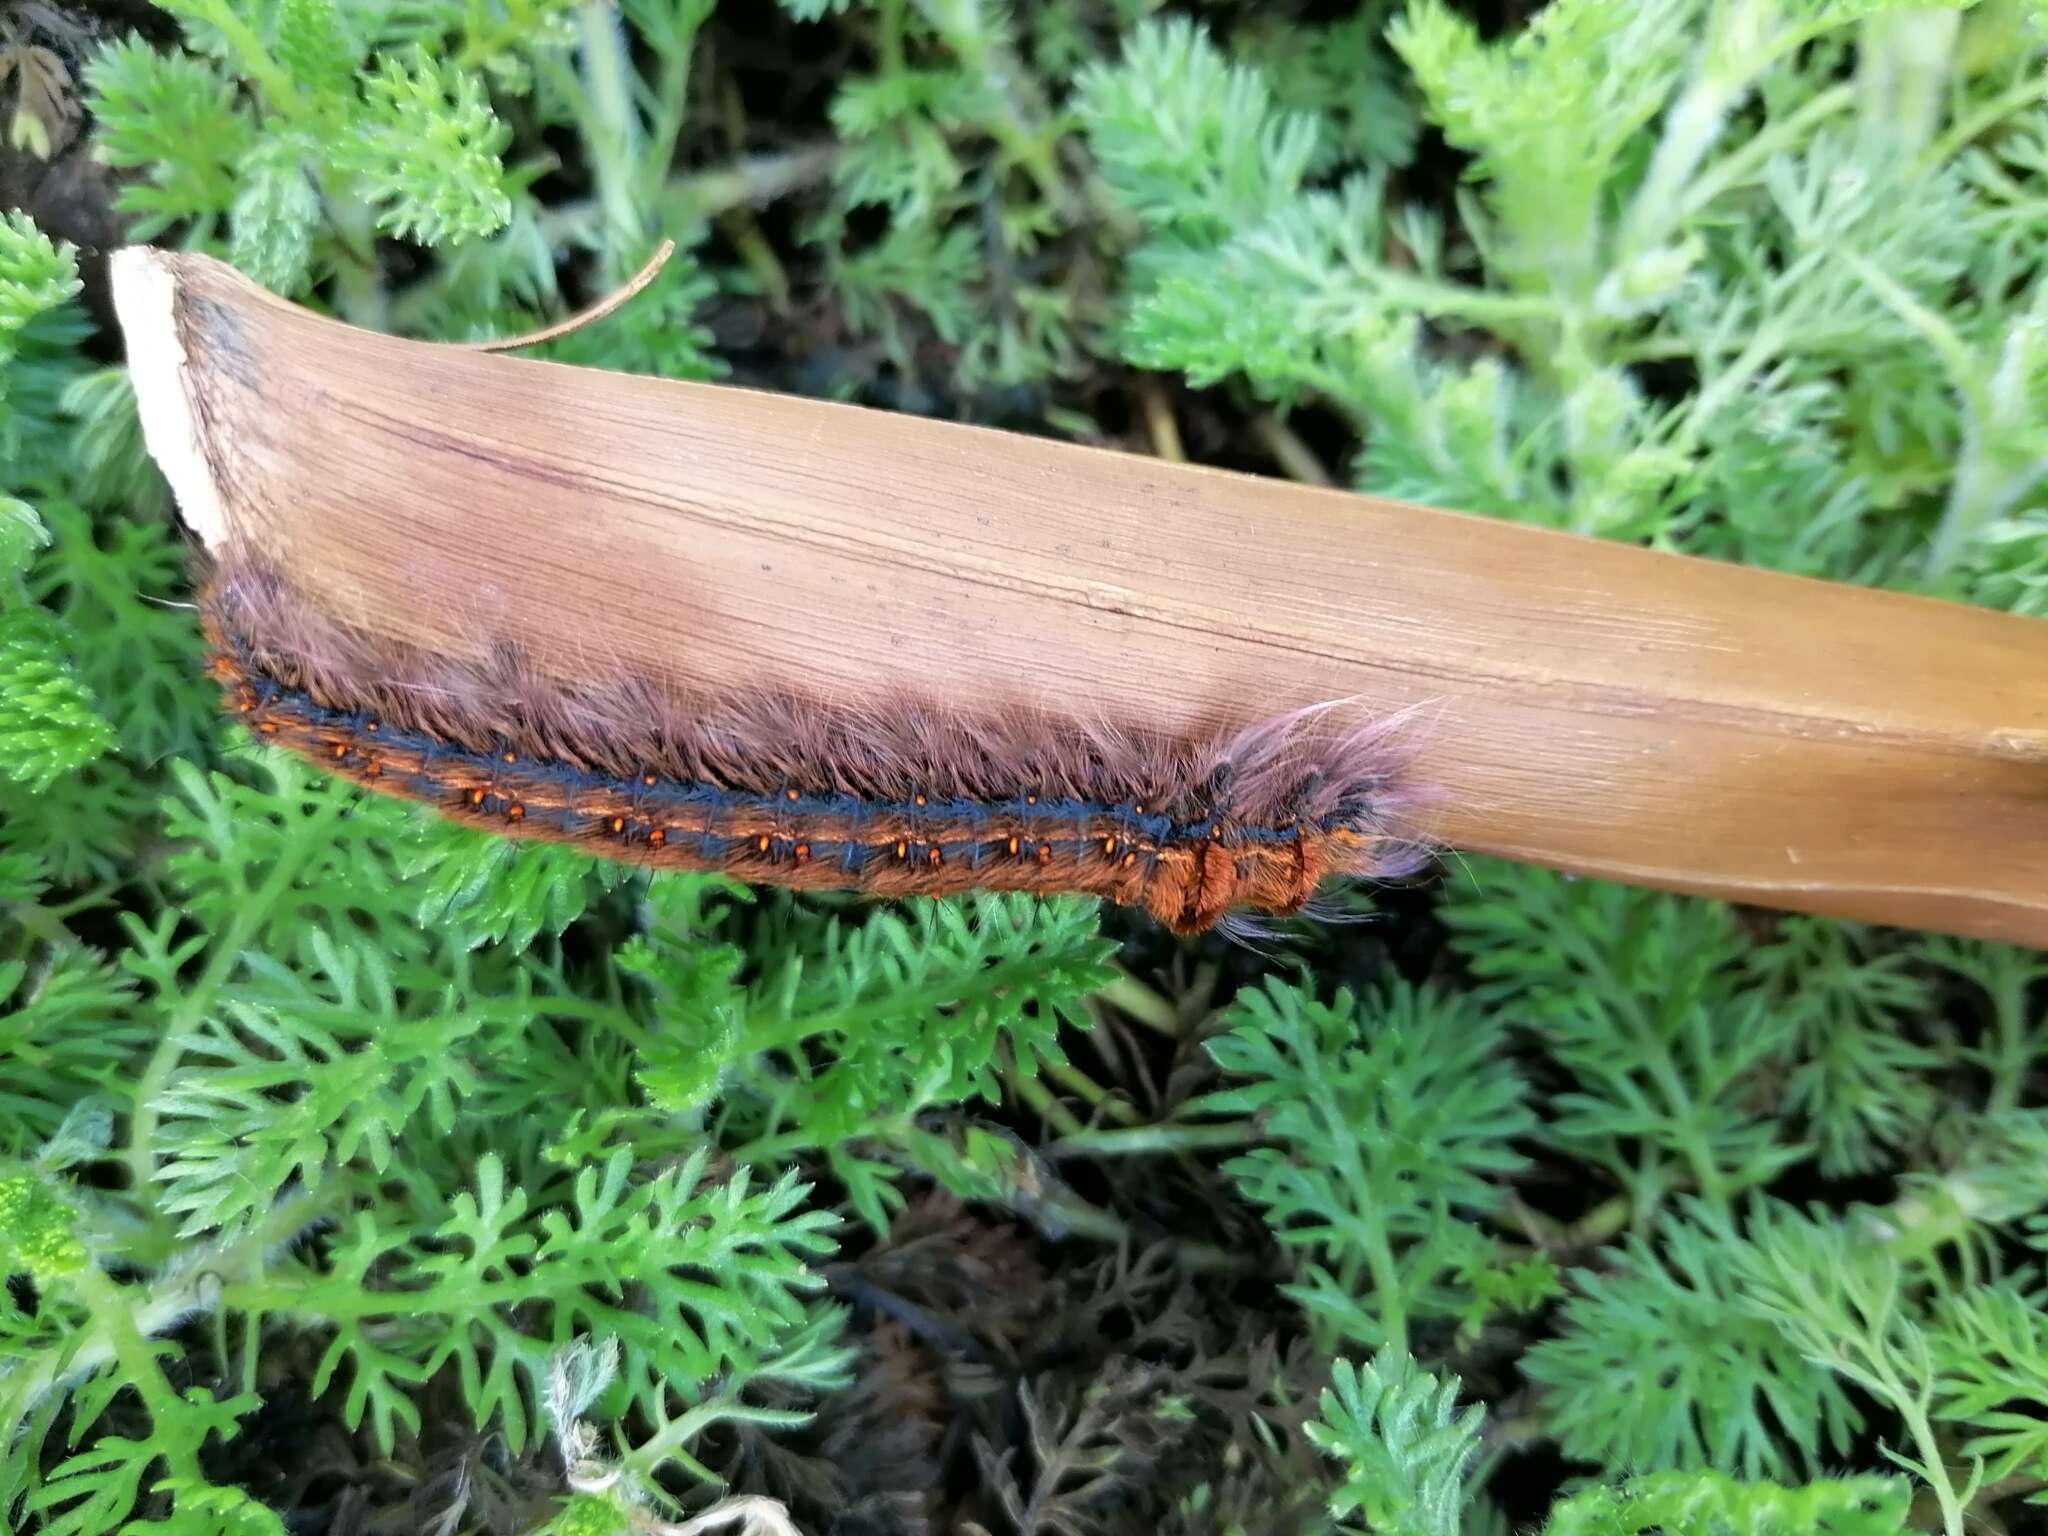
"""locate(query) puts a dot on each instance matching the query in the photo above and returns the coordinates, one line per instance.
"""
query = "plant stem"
(1138, 1002)
(1386, 1286)
(1902, 70)
(359, 295)
(1438, 300)
(683, 202)
(1160, 425)
(1069, 1215)
(2014, 1054)
(1146, 1140)
(672, 96)
(1018, 128)
(757, 253)
(1913, 1410)
(1739, 166)
(672, 1439)
(1690, 129)
(1097, 1097)
(611, 132)
(39, 922)
(1294, 457)
(1981, 119)
(891, 12)
(1994, 398)
(1040, 1101)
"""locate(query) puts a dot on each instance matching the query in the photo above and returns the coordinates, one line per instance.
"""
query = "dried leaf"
(46, 109)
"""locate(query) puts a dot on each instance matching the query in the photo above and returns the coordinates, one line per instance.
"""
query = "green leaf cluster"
(293, 136)
(1405, 1447)
(1726, 1329)
(1394, 1429)
(297, 1080)
(1394, 1123)
(49, 725)
(958, 216)
(852, 1032)
(1776, 201)
(325, 131)
(442, 1157)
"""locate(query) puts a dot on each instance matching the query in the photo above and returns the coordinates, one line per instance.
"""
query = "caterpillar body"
(891, 801)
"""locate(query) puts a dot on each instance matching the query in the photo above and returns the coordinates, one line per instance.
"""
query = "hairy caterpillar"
(893, 800)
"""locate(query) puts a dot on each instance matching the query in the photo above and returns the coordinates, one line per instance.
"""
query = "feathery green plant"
(307, 1098)
(48, 725)
(1385, 1137)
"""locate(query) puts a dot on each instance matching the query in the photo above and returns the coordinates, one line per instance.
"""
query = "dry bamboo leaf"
(1589, 706)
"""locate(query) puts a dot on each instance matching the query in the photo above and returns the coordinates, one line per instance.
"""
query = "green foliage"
(333, 121)
(35, 276)
(66, 1034)
(1731, 1390)
(1195, 147)
(48, 724)
(1633, 993)
(1394, 1122)
(307, 1095)
(288, 136)
(1405, 1451)
(1846, 1303)
(1672, 182)
(846, 1034)
(1344, 73)
(319, 1059)
(1404, 1446)
(1991, 1352)
(500, 892)
(425, 152)
(339, 1051)
(1709, 1504)
(297, 1053)
(176, 116)
(1776, 205)
(119, 579)
(718, 1293)
(1697, 1062)
(92, 1490)
(1862, 1083)
(955, 145)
